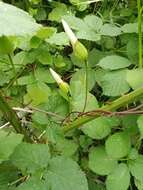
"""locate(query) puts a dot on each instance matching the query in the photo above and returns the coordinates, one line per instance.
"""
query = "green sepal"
(80, 51)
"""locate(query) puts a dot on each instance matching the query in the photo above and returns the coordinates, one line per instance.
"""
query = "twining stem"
(140, 32)
(13, 67)
(122, 101)
(11, 116)
(86, 85)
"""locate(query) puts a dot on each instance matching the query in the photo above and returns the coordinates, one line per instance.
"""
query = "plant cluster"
(71, 95)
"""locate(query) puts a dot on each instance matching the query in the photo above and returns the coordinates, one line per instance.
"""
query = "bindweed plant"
(71, 95)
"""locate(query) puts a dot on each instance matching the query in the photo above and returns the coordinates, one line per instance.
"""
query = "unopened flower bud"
(69, 32)
(62, 85)
(79, 49)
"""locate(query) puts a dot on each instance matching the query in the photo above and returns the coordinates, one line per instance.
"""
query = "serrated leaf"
(66, 147)
(118, 145)
(40, 118)
(95, 56)
(110, 30)
(59, 39)
(119, 178)
(12, 16)
(78, 90)
(114, 83)
(56, 104)
(64, 173)
(8, 143)
(58, 12)
(100, 162)
(130, 28)
(75, 22)
(33, 184)
(45, 58)
(114, 62)
(136, 81)
(136, 167)
(43, 75)
(31, 157)
(94, 22)
(38, 92)
(88, 34)
(98, 128)
(87, 28)
(139, 184)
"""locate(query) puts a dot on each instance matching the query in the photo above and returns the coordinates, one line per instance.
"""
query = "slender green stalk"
(11, 116)
(86, 85)
(122, 101)
(13, 67)
(140, 32)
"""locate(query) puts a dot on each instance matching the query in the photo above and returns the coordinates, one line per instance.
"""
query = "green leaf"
(129, 122)
(56, 104)
(75, 22)
(33, 184)
(114, 83)
(100, 162)
(80, 4)
(66, 147)
(46, 32)
(98, 128)
(40, 118)
(136, 81)
(44, 75)
(88, 34)
(45, 58)
(114, 62)
(58, 12)
(94, 22)
(95, 56)
(64, 173)
(87, 28)
(110, 30)
(119, 178)
(133, 155)
(14, 21)
(118, 145)
(8, 143)
(80, 76)
(77, 102)
(136, 167)
(38, 93)
(31, 157)
(41, 14)
(140, 125)
(95, 186)
(130, 28)
(8, 174)
(78, 90)
(59, 39)
(139, 184)
(6, 46)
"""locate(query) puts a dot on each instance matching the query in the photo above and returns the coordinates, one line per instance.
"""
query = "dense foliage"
(81, 129)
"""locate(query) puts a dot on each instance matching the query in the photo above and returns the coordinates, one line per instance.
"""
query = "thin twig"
(48, 113)
(32, 109)
(5, 125)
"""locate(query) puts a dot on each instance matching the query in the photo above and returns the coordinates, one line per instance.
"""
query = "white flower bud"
(69, 32)
(62, 85)
(56, 76)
